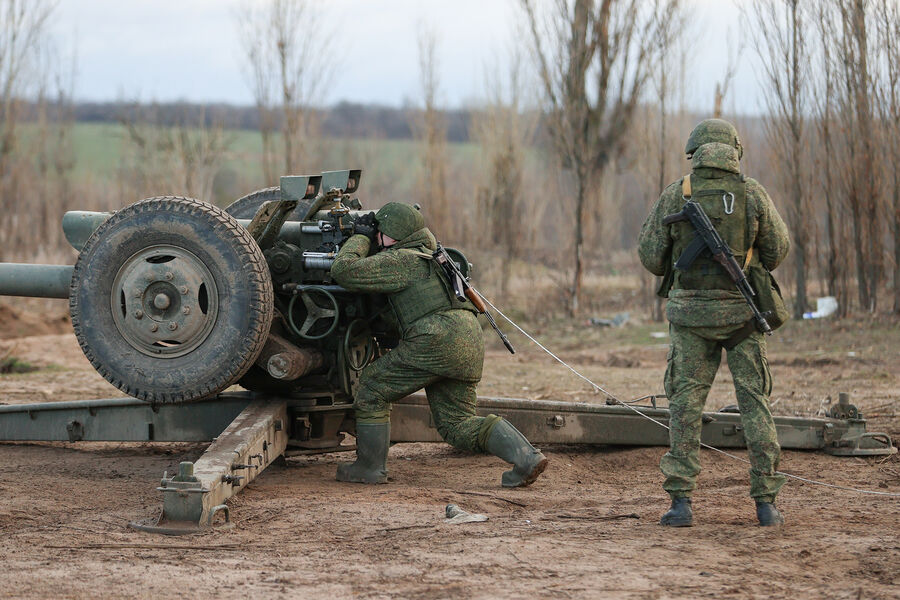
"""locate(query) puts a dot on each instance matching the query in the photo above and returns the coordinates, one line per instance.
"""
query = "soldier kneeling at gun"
(441, 349)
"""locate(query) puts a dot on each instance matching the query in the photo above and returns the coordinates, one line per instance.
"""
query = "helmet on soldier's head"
(713, 130)
(399, 220)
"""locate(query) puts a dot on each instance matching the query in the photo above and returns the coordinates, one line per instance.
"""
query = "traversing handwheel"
(359, 344)
(317, 312)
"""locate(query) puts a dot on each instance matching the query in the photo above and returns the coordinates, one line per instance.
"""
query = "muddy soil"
(587, 528)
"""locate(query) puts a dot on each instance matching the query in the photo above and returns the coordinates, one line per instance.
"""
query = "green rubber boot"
(679, 515)
(506, 442)
(768, 515)
(372, 443)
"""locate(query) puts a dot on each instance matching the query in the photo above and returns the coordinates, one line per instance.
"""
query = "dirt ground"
(587, 529)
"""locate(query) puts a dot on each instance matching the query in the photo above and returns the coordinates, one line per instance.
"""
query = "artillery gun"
(174, 301)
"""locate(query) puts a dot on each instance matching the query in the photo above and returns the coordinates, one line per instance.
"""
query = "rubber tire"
(258, 379)
(245, 299)
(246, 207)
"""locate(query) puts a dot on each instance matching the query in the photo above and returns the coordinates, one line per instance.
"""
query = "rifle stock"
(476, 300)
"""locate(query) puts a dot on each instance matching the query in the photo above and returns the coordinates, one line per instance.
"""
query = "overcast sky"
(166, 50)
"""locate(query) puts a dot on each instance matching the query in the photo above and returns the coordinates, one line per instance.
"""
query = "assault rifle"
(463, 291)
(707, 238)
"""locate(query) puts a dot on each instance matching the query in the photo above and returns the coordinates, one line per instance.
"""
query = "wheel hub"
(164, 301)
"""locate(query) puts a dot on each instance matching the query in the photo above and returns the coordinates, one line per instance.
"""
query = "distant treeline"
(343, 120)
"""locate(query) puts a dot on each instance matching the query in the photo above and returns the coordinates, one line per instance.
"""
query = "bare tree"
(431, 131)
(723, 86)
(856, 113)
(826, 160)
(504, 128)
(656, 147)
(35, 169)
(778, 39)
(49, 146)
(288, 66)
(594, 59)
(261, 84)
(22, 27)
(182, 159)
(888, 19)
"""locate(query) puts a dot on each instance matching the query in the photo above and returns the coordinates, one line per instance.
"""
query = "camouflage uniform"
(705, 310)
(442, 351)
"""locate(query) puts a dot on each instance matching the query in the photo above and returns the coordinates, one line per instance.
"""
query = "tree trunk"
(831, 263)
(862, 284)
(896, 240)
(872, 266)
(268, 167)
(580, 202)
(800, 218)
(505, 273)
(800, 234)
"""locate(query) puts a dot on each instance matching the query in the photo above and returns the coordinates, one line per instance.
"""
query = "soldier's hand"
(365, 225)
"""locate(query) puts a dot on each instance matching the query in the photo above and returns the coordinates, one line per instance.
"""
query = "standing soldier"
(441, 349)
(706, 313)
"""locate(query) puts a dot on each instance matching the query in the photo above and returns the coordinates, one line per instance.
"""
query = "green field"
(390, 167)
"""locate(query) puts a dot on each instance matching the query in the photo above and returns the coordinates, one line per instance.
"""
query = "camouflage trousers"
(694, 358)
(452, 401)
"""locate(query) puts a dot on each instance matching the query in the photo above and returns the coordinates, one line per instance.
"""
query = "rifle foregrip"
(476, 300)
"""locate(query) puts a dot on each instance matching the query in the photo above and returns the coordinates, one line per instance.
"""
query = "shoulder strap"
(747, 225)
(686, 186)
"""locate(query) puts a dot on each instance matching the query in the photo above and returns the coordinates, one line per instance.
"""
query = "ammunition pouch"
(768, 295)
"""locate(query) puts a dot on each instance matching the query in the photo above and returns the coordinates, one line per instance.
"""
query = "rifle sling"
(747, 259)
(740, 335)
(744, 332)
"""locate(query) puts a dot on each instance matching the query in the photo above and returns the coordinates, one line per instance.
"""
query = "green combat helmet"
(399, 220)
(713, 130)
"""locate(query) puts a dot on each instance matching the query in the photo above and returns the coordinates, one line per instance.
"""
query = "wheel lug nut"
(183, 289)
(169, 275)
(138, 314)
(154, 327)
(186, 310)
(137, 293)
(173, 326)
(150, 276)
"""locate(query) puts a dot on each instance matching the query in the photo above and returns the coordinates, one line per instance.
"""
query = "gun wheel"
(246, 207)
(171, 300)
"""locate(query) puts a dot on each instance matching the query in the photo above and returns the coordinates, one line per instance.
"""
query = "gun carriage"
(174, 301)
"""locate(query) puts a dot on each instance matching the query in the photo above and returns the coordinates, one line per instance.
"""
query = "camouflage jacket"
(446, 342)
(769, 235)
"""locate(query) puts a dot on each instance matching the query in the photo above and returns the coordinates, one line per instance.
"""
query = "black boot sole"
(677, 523)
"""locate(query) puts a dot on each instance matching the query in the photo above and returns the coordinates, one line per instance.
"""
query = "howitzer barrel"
(36, 281)
(78, 226)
